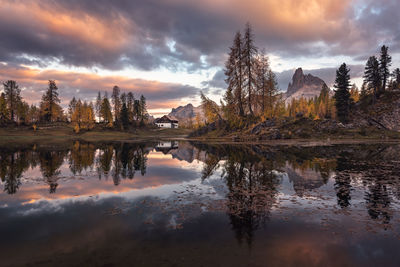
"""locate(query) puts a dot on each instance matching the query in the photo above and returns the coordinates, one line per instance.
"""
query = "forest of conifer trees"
(124, 112)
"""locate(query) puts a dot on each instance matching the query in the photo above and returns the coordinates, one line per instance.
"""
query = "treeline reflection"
(120, 161)
(252, 173)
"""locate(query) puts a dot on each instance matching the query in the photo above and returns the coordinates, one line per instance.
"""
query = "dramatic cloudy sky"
(169, 50)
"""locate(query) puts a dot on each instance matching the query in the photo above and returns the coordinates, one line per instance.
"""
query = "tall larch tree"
(116, 101)
(98, 104)
(4, 116)
(385, 62)
(396, 78)
(13, 97)
(143, 109)
(71, 107)
(262, 69)
(272, 92)
(130, 102)
(249, 54)
(105, 111)
(234, 70)
(342, 94)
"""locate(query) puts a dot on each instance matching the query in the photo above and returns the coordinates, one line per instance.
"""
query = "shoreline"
(21, 137)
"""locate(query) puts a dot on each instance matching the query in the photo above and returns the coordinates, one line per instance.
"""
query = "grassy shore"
(25, 134)
(64, 132)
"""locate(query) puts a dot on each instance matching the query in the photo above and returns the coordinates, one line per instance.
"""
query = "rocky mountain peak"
(302, 85)
(185, 113)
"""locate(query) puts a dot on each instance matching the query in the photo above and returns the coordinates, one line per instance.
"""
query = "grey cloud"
(217, 81)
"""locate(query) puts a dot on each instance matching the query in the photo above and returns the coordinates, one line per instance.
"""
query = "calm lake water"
(193, 204)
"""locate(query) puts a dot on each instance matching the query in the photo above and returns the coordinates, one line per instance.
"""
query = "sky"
(170, 50)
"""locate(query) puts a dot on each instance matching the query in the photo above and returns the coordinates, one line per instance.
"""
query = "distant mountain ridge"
(185, 113)
(307, 86)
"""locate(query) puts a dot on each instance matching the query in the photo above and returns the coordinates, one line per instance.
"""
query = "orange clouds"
(289, 19)
(76, 24)
(86, 86)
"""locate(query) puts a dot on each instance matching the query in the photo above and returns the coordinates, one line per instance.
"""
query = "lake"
(176, 203)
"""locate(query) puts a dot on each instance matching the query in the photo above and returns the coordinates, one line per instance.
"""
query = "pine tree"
(234, 70)
(342, 94)
(77, 114)
(385, 62)
(130, 103)
(136, 110)
(116, 102)
(262, 70)
(90, 116)
(249, 53)
(272, 91)
(4, 115)
(372, 75)
(105, 111)
(33, 114)
(98, 105)
(71, 107)
(396, 77)
(22, 112)
(143, 109)
(124, 116)
(50, 108)
(12, 96)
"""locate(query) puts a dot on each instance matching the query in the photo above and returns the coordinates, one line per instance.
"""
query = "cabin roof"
(165, 119)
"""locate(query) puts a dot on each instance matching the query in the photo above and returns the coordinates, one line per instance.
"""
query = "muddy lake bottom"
(180, 203)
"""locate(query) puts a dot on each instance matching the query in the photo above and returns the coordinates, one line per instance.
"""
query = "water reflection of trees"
(50, 163)
(248, 169)
(12, 166)
(121, 160)
(252, 184)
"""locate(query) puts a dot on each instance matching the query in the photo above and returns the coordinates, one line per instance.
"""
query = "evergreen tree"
(130, 103)
(136, 110)
(12, 96)
(143, 109)
(77, 114)
(50, 108)
(323, 103)
(124, 116)
(116, 102)
(33, 114)
(372, 75)
(234, 70)
(98, 105)
(90, 117)
(396, 77)
(342, 94)
(22, 112)
(4, 115)
(385, 62)
(249, 53)
(105, 111)
(262, 70)
(272, 91)
(71, 107)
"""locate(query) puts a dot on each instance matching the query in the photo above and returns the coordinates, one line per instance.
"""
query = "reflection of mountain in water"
(304, 179)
